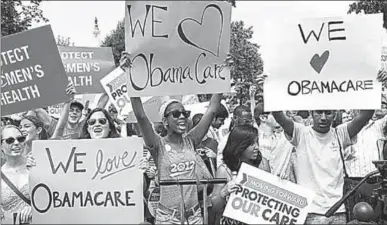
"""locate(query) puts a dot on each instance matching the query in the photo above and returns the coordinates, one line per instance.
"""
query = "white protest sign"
(55, 110)
(177, 47)
(267, 199)
(87, 181)
(323, 63)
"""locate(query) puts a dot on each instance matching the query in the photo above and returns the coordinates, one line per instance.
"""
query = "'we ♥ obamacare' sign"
(323, 63)
(177, 47)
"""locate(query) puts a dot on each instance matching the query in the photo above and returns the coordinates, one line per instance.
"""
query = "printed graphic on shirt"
(181, 168)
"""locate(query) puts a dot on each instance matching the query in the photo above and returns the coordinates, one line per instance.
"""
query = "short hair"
(196, 119)
(222, 112)
(240, 109)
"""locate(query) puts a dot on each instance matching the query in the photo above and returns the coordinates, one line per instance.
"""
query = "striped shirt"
(366, 149)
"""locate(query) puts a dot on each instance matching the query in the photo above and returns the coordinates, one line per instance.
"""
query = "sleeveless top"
(11, 202)
(184, 164)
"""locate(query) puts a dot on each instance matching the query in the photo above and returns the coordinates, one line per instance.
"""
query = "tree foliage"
(17, 16)
(64, 41)
(116, 40)
(370, 7)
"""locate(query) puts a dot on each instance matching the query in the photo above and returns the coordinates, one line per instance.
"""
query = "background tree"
(116, 40)
(63, 41)
(17, 16)
(370, 7)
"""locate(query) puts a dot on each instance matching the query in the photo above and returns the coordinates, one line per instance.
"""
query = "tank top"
(183, 164)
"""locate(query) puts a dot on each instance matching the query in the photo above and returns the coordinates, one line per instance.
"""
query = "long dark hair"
(240, 138)
(43, 135)
(112, 128)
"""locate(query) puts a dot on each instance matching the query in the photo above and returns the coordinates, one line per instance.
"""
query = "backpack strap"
(14, 188)
(341, 154)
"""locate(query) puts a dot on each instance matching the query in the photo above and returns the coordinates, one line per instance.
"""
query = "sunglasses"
(101, 121)
(11, 140)
(176, 114)
(326, 112)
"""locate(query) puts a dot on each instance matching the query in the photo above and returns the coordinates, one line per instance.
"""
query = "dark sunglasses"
(177, 114)
(11, 140)
(101, 121)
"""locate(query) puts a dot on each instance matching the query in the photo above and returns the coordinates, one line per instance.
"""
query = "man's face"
(346, 117)
(218, 122)
(380, 113)
(75, 114)
(245, 118)
(322, 120)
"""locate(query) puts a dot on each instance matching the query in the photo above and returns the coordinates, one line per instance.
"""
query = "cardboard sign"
(115, 85)
(55, 110)
(323, 63)
(267, 199)
(32, 73)
(86, 66)
(87, 182)
(177, 47)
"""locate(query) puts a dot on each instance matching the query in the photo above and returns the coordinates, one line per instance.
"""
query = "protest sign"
(115, 85)
(323, 63)
(267, 199)
(177, 47)
(86, 66)
(12, 219)
(87, 182)
(55, 110)
(32, 73)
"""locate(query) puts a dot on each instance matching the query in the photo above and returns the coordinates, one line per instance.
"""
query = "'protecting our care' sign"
(32, 73)
(177, 47)
(266, 199)
(86, 66)
(115, 85)
(87, 182)
(323, 63)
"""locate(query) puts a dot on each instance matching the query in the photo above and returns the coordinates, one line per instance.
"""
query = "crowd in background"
(299, 146)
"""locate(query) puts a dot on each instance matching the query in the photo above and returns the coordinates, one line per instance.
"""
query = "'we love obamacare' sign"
(177, 47)
(323, 63)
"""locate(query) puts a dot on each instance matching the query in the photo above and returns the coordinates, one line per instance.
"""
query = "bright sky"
(75, 19)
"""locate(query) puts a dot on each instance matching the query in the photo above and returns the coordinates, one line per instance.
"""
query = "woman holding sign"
(175, 155)
(15, 197)
(242, 146)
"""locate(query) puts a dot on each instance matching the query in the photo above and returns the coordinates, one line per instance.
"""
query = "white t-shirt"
(318, 166)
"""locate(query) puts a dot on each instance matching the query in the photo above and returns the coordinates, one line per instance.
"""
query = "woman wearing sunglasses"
(14, 176)
(175, 155)
(99, 124)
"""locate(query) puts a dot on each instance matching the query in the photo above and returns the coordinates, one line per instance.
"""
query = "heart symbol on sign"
(317, 62)
(184, 37)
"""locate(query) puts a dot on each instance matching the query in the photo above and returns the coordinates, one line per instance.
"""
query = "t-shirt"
(182, 164)
(319, 166)
(67, 133)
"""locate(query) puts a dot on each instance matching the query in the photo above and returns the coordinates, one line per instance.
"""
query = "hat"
(165, 105)
(77, 104)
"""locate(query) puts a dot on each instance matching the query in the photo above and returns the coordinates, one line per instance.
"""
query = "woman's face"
(12, 142)
(98, 126)
(30, 130)
(251, 152)
(177, 118)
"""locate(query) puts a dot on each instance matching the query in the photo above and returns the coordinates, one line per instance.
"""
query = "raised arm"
(359, 122)
(252, 91)
(197, 133)
(146, 127)
(103, 101)
(286, 123)
(64, 115)
(43, 116)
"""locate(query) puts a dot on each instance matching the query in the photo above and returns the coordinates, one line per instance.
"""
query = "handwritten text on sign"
(87, 182)
(32, 73)
(336, 65)
(264, 200)
(177, 47)
(86, 66)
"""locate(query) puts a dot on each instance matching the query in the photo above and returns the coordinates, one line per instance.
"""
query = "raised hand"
(70, 90)
(229, 62)
(260, 80)
(382, 77)
(125, 62)
(143, 165)
(252, 90)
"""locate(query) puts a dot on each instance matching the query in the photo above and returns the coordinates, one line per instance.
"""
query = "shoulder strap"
(341, 154)
(14, 188)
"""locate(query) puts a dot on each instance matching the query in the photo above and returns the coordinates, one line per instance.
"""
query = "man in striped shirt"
(367, 148)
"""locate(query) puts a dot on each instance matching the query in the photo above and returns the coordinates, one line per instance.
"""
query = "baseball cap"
(77, 104)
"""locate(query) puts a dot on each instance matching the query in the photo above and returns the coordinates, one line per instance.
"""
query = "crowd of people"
(314, 149)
